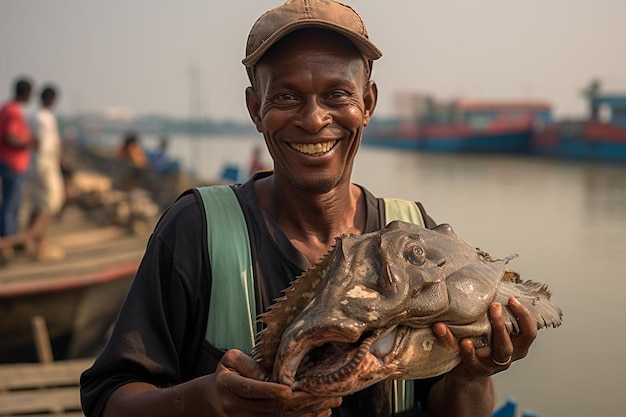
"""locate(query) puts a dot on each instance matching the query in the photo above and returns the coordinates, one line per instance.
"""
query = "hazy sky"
(143, 54)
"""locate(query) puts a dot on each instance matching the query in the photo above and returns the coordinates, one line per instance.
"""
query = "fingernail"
(285, 393)
(496, 310)
(514, 301)
(440, 330)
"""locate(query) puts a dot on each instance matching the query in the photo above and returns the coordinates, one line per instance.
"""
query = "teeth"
(313, 148)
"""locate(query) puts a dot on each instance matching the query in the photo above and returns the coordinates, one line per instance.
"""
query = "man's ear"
(254, 107)
(370, 98)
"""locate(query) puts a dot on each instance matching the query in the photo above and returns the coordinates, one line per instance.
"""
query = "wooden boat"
(461, 126)
(79, 295)
(600, 137)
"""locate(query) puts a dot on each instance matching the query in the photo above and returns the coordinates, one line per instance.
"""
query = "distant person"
(164, 188)
(48, 192)
(132, 171)
(132, 151)
(15, 151)
(159, 159)
(256, 164)
(592, 92)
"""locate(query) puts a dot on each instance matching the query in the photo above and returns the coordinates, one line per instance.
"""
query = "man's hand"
(239, 389)
(467, 390)
(504, 349)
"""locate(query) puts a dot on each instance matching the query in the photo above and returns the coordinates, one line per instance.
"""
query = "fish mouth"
(338, 367)
(314, 149)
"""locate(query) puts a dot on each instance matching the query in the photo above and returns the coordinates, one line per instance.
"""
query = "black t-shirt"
(159, 335)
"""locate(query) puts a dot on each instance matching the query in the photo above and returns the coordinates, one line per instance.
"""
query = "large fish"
(364, 312)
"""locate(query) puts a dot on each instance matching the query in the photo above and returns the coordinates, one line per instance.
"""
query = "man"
(309, 63)
(15, 142)
(48, 192)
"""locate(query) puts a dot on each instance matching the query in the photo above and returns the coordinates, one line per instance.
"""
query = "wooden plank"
(35, 401)
(37, 375)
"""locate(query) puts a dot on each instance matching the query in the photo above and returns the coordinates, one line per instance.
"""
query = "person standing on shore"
(15, 151)
(46, 179)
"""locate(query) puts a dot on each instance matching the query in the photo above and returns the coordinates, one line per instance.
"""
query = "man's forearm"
(138, 398)
(454, 397)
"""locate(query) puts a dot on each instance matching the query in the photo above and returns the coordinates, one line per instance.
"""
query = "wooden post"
(42, 340)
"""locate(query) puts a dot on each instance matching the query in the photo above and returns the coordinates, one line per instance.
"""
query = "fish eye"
(415, 254)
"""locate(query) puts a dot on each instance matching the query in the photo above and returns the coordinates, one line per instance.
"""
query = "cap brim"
(365, 46)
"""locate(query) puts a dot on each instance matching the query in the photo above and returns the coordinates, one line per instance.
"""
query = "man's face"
(311, 100)
(25, 97)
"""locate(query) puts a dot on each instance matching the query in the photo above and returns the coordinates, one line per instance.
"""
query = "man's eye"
(337, 94)
(286, 97)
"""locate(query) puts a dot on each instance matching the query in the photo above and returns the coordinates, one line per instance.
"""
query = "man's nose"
(313, 116)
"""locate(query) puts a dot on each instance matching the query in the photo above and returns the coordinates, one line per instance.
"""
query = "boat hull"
(590, 141)
(78, 317)
(500, 141)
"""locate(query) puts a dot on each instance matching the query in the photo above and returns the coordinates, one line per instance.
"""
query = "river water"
(567, 222)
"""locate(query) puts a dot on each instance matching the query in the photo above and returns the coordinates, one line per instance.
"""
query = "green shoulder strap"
(232, 309)
(403, 210)
(408, 211)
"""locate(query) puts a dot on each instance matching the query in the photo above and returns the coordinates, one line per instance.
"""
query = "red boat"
(460, 126)
(601, 137)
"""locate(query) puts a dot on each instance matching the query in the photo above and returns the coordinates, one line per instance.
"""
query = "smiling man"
(176, 348)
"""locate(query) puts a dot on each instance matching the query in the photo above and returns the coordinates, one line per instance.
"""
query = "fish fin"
(535, 296)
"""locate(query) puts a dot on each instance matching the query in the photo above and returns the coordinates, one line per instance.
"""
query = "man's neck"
(312, 221)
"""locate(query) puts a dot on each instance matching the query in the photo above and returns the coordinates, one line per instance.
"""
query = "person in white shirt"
(48, 193)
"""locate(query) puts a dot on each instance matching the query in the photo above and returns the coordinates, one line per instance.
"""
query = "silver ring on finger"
(507, 362)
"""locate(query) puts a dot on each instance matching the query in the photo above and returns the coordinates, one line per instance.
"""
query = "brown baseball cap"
(274, 24)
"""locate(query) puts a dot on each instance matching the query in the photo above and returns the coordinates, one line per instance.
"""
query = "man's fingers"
(243, 377)
(468, 353)
(242, 384)
(253, 389)
(244, 365)
(444, 335)
(527, 325)
(502, 348)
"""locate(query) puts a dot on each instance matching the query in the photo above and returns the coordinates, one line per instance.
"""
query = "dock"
(40, 389)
